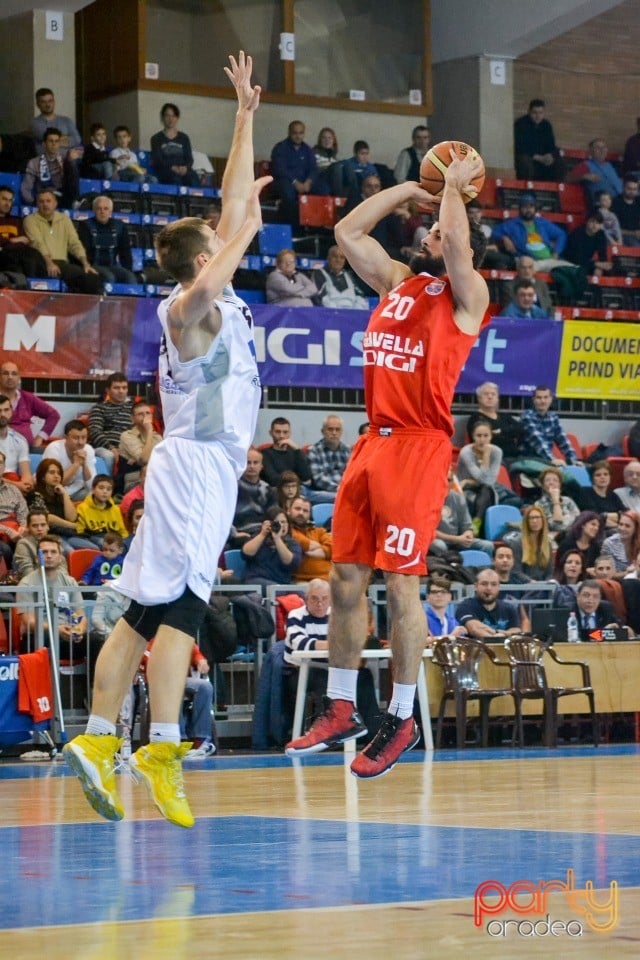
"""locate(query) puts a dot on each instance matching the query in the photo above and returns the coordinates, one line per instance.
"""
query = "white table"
(304, 658)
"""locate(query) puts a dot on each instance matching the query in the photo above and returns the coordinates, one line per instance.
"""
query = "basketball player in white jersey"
(210, 393)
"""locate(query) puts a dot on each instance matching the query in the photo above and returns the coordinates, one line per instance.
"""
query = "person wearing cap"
(531, 235)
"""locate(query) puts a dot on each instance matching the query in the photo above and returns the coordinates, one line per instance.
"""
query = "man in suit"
(592, 611)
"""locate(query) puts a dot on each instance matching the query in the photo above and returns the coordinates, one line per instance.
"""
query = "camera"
(275, 526)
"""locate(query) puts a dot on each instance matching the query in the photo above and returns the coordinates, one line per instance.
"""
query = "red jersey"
(413, 353)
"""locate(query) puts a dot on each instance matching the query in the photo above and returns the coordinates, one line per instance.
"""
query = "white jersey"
(213, 398)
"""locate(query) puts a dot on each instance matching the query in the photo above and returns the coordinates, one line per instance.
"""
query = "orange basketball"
(434, 165)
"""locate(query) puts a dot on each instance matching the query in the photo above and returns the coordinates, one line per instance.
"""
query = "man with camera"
(315, 542)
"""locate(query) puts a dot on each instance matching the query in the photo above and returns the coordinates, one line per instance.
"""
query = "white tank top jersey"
(213, 398)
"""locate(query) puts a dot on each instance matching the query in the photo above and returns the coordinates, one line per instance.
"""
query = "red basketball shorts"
(390, 500)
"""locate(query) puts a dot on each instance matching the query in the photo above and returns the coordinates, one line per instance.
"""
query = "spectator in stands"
(108, 564)
(455, 529)
(632, 575)
(98, 514)
(136, 445)
(55, 237)
(25, 557)
(612, 229)
(71, 619)
(559, 510)
(596, 173)
(440, 621)
(627, 209)
(537, 549)
(624, 545)
(630, 493)
(307, 628)
(293, 167)
(134, 516)
(315, 543)
(50, 494)
(16, 252)
(604, 568)
(606, 503)
(526, 270)
(283, 454)
(77, 458)
(531, 235)
(504, 563)
(336, 285)
(107, 243)
(287, 489)
(96, 163)
(125, 159)
(13, 515)
(536, 154)
(587, 246)
(51, 170)
(412, 229)
(47, 118)
(255, 496)
(287, 286)
(570, 572)
(477, 469)
(357, 167)
(408, 163)
(388, 230)
(592, 611)
(485, 616)
(523, 305)
(328, 458)
(542, 429)
(171, 153)
(506, 430)
(631, 158)
(213, 214)
(17, 466)
(494, 258)
(585, 535)
(272, 556)
(329, 169)
(109, 418)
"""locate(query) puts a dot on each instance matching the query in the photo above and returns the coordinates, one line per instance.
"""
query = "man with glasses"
(440, 622)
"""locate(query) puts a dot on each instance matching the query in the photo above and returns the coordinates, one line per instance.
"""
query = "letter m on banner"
(19, 334)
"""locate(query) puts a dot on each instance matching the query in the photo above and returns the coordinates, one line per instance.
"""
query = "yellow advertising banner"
(599, 360)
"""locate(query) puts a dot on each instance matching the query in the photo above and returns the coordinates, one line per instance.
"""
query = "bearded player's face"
(430, 259)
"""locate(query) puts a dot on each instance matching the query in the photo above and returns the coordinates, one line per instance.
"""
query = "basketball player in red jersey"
(391, 495)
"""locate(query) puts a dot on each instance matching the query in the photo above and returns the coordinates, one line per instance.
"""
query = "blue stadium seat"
(252, 296)
(496, 520)
(235, 561)
(274, 237)
(475, 558)
(34, 460)
(321, 513)
(13, 180)
(101, 466)
(581, 474)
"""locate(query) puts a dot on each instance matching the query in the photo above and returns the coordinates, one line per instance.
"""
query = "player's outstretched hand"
(460, 173)
(254, 211)
(240, 75)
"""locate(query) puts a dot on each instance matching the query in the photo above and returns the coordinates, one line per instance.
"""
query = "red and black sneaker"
(393, 738)
(338, 722)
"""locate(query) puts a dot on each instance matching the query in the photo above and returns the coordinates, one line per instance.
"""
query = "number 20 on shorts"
(400, 540)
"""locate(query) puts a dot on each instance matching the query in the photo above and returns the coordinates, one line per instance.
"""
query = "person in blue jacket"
(533, 236)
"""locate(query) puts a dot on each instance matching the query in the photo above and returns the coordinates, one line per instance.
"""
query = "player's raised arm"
(470, 292)
(365, 255)
(237, 181)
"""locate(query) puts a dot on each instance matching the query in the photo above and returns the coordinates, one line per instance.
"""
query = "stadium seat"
(274, 237)
(319, 211)
(475, 558)
(581, 474)
(617, 465)
(235, 561)
(34, 461)
(78, 561)
(101, 466)
(321, 513)
(497, 517)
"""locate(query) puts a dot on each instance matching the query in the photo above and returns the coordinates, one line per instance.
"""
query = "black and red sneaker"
(338, 722)
(393, 738)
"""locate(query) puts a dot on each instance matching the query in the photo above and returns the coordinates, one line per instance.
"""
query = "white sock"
(164, 733)
(100, 727)
(401, 704)
(341, 684)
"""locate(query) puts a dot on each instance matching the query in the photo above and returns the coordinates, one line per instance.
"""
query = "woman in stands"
(599, 497)
(571, 573)
(272, 555)
(49, 494)
(559, 510)
(171, 154)
(624, 545)
(585, 535)
(328, 179)
(537, 550)
(477, 470)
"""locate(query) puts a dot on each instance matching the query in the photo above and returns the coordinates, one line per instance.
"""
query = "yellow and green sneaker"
(159, 766)
(92, 759)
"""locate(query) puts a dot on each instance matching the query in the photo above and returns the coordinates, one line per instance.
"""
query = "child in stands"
(98, 514)
(108, 565)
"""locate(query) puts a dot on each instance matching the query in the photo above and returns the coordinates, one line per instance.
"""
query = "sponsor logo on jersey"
(388, 350)
(434, 287)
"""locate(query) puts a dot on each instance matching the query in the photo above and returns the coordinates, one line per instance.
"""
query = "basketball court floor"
(500, 853)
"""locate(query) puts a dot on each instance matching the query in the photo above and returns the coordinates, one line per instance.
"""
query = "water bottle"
(74, 620)
(573, 636)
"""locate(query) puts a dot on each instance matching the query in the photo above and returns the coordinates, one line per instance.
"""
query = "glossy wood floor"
(303, 861)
